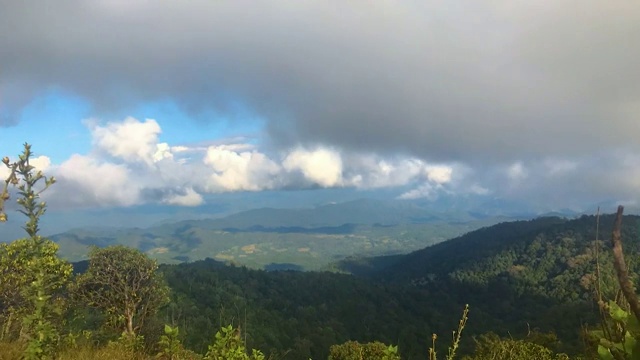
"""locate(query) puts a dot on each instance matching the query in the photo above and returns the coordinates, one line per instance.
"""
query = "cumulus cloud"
(435, 178)
(439, 174)
(188, 197)
(374, 171)
(129, 166)
(131, 140)
(235, 168)
(320, 166)
(83, 180)
(112, 175)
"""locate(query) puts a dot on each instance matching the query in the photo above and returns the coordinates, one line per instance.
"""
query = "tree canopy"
(122, 282)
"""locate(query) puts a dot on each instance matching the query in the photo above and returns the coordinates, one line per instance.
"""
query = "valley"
(301, 239)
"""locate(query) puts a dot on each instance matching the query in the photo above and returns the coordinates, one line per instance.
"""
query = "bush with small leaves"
(228, 345)
(171, 348)
(492, 347)
(353, 350)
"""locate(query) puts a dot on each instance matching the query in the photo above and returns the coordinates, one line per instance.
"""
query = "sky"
(176, 104)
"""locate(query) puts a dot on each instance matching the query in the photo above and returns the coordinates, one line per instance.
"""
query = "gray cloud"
(484, 84)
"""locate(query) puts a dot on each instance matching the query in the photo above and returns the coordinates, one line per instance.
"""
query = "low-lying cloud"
(128, 166)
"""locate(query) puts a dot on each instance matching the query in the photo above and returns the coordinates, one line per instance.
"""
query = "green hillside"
(517, 276)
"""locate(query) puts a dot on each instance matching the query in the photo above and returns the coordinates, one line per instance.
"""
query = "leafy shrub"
(353, 350)
(492, 347)
(228, 345)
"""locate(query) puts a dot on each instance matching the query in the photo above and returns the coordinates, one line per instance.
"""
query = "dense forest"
(545, 288)
(518, 277)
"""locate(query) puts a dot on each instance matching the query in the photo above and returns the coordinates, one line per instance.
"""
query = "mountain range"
(305, 238)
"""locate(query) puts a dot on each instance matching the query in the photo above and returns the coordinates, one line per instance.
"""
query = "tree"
(124, 284)
(31, 273)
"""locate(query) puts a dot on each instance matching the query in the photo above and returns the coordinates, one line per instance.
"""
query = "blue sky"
(56, 122)
(181, 104)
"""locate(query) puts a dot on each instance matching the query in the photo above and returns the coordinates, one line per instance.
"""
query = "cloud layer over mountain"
(525, 99)
(128, 165)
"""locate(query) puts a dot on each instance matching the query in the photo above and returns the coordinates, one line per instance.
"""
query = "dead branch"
(621, 267)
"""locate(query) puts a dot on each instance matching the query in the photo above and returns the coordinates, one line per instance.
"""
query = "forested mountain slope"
(516, 276)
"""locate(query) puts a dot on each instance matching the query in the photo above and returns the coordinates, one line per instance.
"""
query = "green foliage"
(228, 345)
(30, 271)
(21, 175)
(31, 274)
(620, 337)
(131, 343)
(169, 343)
(42, 335)
(171, 348)
(75, 340)
(124, 284)
(353, 350)
(491, 347)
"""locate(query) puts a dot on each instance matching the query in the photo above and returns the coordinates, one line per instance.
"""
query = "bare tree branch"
(621, 267)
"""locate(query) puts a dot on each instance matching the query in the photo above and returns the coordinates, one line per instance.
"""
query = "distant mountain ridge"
(311, 237)
(362, 212)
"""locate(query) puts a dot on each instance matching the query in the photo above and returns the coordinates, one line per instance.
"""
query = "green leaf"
(604, 353)
(633, 325)
(635, 350)
(629, 342)
(617, 313)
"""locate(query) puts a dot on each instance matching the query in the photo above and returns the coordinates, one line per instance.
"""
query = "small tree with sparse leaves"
(31, 273)
(124, 284)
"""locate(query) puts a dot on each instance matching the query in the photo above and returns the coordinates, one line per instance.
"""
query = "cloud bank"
(522, 99)
(478, 83)
(128, 165)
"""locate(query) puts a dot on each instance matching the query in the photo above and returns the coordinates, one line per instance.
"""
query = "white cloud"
(116, 179)
(426, 190)
(372, 171)
(131, 140)
(83, 180)
(517, 171)
(245, 170)
(4, 172)
(188, 198)
(320, 166)
(180, 175)
(163, 151)
(439, 174)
